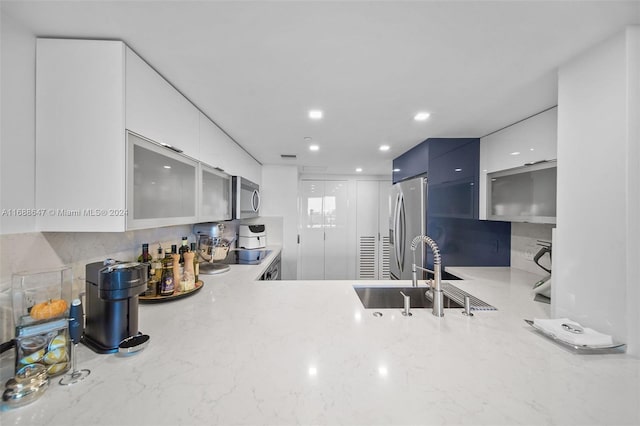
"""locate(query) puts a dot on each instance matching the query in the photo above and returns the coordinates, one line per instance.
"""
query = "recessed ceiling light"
(396, 170)
(515, 153)
(359, 169)
(167, 167)
(384, 147)
(307, 138)
(313, 147)
(421, 116)
(315, 114)
(457, 170)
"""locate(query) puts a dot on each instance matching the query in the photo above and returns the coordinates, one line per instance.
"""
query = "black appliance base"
(97, 346)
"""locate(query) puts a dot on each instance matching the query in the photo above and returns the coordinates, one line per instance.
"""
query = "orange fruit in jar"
(49, 309)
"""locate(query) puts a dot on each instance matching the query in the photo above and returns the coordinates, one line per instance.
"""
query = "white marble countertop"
(306, 352)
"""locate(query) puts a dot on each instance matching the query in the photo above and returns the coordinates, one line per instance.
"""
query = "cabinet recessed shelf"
(523, 194)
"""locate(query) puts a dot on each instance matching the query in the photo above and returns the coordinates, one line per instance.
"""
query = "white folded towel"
(588, 337)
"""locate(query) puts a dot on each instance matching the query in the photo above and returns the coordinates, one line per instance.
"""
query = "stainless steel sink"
(390, 297)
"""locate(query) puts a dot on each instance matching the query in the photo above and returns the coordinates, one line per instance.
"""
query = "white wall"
(17, 135)
(279, 208)
(595, 252)
(633, 191)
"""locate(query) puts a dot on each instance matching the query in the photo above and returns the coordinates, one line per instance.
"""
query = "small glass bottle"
(183, 249)
(145, 256)
(152, 283)
(167, 285)
(158, 260)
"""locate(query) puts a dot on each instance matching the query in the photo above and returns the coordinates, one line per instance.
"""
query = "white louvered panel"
(385, 259)
(367, 258)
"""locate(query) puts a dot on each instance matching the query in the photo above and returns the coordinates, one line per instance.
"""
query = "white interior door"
(311, 220)
(336, 244)
(324, 235)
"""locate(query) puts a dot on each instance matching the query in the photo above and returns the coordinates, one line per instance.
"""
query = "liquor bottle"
(183, 249)
(145, 256)
(196, 263)
(158, 262)
(167, 286)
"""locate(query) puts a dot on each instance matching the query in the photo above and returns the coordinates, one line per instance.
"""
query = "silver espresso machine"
(112, 290)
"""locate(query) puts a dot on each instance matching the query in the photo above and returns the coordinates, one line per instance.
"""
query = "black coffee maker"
(112, 290)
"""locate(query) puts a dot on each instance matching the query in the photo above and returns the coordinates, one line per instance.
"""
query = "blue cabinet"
(412, 163)
(453, 159)
(452, 169)
(453, 178)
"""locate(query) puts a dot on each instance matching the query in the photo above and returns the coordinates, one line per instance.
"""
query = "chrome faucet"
(438, 296)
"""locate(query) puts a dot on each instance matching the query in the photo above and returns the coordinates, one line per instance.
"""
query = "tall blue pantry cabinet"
(452, 169)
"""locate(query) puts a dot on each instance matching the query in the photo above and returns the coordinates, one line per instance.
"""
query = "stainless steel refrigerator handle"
(396, 218)
(403, 231)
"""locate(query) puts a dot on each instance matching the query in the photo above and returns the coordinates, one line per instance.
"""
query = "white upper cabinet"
(156, 110)
(215, 195)
(80, 136)
(93, 173)
(219, 150)
(162, 185)
(531, 141)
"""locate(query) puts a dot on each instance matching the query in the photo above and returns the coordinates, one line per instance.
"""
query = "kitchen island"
(242, 351)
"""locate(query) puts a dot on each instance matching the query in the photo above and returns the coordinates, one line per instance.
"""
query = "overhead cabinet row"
(509, 175)
(118, 147)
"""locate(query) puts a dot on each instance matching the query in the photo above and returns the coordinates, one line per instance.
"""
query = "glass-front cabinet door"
(161, 185)
(215, 194)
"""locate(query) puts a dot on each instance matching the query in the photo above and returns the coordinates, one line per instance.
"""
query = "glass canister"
(40, 302)
(46, 343)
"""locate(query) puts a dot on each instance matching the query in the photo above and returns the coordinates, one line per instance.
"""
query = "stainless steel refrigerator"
(408, 219)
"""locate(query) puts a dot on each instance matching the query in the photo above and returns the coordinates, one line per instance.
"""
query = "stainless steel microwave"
(246, 198)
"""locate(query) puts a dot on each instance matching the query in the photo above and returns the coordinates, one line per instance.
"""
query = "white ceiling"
(257, 67)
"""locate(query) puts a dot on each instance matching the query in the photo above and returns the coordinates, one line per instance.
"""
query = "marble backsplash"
(525, 240)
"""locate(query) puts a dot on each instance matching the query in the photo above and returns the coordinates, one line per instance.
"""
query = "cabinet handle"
(538, 162)
(171, 147)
